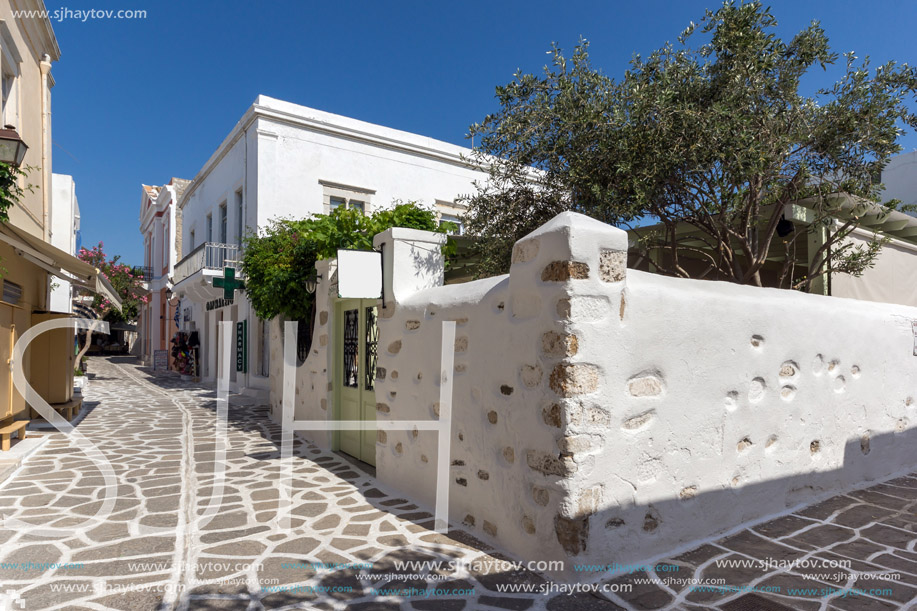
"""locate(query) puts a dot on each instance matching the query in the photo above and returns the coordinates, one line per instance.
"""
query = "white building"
(160, 226)
(65, 232)
(900, 179)
(285, 160)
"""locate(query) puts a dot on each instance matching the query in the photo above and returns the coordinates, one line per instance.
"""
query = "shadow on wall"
(600, 534)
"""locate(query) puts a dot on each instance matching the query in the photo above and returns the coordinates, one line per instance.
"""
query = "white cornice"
(333, 125)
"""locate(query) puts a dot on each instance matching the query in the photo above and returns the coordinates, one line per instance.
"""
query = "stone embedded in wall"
(614, 523)
(528, 525)
(901, 425)
(561, 271)
(552, 415)
(399, 449)
(395, 347)
(744, 444)
(381, 436)
(380, 373)
(559, 344)
(815, 447)
(645, 385)
(572, 534)
(483, 475)
(855, 371)
(788, 369)
(414, 433)
(593, 416)
(757, 341)
(571, 379)
(509, 454)
(490, 528)
(687, 493)
(575, 444)
(589, 501)
(461, 481)
(436, 409)
(540, 495)
(532, 375)
(756, 390)
(323, 317)
(323, 340)
(387, 311)
(324, 404)
(412, 325)
(492, 417)
(549, 464)
(839, 384)
(423, 458)
(383, 408)
(461, 367)
(395, 374)
(651, 521)
(469, 520)
(506, 390)
(640, 420)
(864, 443)
(458, 463)
(788, 392)
(584, 308)
(461, 343)
(612, 265)
(525, 251)
(770, 441)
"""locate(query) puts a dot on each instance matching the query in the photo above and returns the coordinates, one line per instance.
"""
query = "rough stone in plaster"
(532, 375)
(528, 525)
(483, 475)
(509, 454)
(506, 390)
(412, 325)
(490, 528)
(540, 495)
(552, 415)
(612, 265)
(589, 501)
(572, 533)
(383, 408)
(640, 420)
(461, 343)
(687, 493)
(323, 340)
(584, 308)
(571, 379)
(395, 347)
(492, 417)
(550, 464)
(525, 251)
(469, 520)
(588, 417)
(381, 436)
(561, 271)
(575, 444)
(323, 317)
(559, 344)
(645, 385)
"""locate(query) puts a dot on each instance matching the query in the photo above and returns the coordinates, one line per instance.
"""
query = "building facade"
(160, 226)
(33, 265)
(65, 235)
(285, 160)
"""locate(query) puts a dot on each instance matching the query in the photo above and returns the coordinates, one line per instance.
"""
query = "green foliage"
(716, 137)
(11, 191)
(278, 261)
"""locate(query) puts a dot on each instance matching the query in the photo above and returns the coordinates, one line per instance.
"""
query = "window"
(240, 218)
(343, 196)
(210, 228)
(450, 218)
(12, 292)
(223, 219)
(9, 80)
(191, 239)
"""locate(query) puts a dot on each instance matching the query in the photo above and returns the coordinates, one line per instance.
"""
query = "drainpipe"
(45, 66)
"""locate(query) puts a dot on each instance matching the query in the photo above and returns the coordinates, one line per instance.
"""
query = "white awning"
(56, 261)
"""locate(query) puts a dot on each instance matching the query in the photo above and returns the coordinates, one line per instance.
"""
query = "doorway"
(356, 336)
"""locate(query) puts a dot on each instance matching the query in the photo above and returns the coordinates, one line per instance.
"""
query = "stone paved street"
(152, 551)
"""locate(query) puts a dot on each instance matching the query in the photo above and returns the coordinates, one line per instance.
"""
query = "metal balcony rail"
(144, 273)
(209, 255)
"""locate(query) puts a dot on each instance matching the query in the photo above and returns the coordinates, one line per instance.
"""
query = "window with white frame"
(210, 228)
(344, 196)
(240, 218)
(9, 80)
(223, 224)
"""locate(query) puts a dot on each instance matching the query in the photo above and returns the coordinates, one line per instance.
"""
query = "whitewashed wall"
(602, 414)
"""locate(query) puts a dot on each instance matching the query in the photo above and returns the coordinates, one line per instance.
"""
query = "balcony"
(145, 274)
(209, 256)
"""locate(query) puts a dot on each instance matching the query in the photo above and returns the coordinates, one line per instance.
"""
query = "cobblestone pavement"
(155, 552)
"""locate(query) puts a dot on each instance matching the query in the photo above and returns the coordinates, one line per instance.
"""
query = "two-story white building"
(160, 226)
(65, 235)
(286, 160)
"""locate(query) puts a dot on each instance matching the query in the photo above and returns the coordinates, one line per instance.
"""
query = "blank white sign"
(359, 274)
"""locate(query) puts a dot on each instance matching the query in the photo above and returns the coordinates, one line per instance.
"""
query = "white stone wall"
(602, 414)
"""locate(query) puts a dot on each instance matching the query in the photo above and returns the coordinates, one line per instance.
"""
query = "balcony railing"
(209, 255)
(144, 273)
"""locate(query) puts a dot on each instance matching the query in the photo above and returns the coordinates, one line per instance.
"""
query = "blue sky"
(140, 101)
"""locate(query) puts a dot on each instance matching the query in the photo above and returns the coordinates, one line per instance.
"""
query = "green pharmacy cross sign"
(228, 283)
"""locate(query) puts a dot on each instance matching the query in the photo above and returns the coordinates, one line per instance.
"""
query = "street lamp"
(312, 282)
(12, 148)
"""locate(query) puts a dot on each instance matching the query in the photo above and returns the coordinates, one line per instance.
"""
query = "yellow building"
(28, 261)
